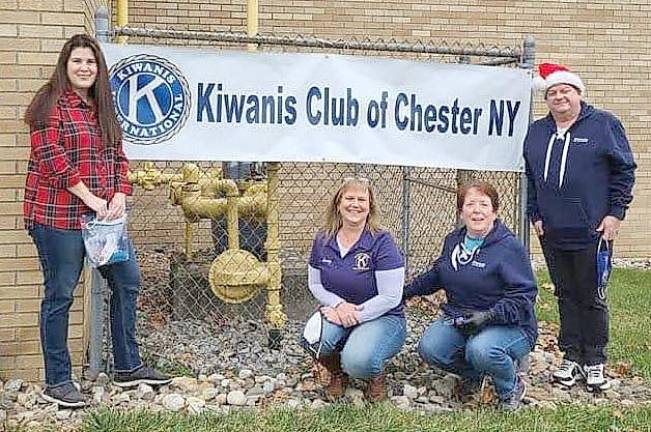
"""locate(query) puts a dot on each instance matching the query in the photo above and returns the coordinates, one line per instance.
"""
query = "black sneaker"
(65, 395)
(512, 403)
(142, 375)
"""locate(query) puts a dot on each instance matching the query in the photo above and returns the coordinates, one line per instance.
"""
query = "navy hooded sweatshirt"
(496, 277)
(576, 179)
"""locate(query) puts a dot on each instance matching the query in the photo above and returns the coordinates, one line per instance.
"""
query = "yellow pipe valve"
(236, 276)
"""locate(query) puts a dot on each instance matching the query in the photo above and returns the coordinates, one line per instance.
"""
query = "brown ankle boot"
(338, 379)
(376, 391)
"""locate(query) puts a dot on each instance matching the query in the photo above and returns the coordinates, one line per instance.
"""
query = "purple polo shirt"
(353, 277)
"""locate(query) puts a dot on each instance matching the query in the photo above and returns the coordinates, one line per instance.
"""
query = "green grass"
(383, 417)
(629, 299)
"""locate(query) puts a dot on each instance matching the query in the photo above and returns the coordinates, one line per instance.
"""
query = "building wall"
(31, 34)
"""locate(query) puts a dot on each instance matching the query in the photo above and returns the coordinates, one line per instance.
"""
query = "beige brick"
(29, 277)
(70, 31)
(51, 45)
(42, 5)
(18, 320)
(7, 335)
(18, 17)
(73, 6)
(12, 182)
(8, 85)
(7, 222)
(19, 264)
(7, 112)
(51, 32)
(7, 279)
(8, 30)
(26, 250)
(7, 57)
(10, 208)
(7, 140)
(7, 306)
(7, 166)
(7, 251)
(7, 366)
(37, 58)
(21, 348)
(30, 361)
(28, 333)
(60, 18)
(30, 305)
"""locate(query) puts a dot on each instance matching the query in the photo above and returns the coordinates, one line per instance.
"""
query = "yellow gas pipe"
(122, 7)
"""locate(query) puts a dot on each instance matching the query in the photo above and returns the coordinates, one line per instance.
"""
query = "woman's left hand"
(331, 315)
(117, 206)
(349, 314)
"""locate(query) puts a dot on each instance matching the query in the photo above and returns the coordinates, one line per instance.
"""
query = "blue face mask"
(604, 267)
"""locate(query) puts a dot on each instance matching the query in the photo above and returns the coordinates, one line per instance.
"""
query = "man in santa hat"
(580, 173)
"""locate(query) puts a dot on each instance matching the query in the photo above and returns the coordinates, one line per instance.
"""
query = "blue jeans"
(62, 253)
(493, 351)
(365, 347)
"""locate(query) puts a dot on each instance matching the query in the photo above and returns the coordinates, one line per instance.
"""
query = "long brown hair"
(40, 108)
(333, 219)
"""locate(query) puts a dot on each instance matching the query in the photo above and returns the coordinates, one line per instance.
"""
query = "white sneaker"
(595, 378)
(568, 373)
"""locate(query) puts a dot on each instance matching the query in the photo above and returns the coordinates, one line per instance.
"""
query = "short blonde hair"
(333, 220)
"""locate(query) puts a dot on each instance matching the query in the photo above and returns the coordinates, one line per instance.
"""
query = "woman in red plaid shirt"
(77, 167)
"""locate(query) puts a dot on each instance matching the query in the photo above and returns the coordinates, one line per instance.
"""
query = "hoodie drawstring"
(548, 155)
(566, 148)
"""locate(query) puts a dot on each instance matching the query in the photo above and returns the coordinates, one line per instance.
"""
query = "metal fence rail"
(177, 250)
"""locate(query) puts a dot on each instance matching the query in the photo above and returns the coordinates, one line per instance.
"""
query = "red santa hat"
(551, 74)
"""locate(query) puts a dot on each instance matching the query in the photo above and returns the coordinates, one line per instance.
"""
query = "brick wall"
(31, 35)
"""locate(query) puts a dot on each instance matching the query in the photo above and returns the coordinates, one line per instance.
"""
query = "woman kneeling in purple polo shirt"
(488, 323)
(357, 273)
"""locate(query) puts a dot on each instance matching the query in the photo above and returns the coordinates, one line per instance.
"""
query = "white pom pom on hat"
(551, 74)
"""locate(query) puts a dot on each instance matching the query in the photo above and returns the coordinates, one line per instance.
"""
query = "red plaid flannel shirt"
(66, 151)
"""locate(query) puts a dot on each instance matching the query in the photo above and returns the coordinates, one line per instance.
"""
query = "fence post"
(528, 59)
(95, 363)
(406, 216)
(463, 176)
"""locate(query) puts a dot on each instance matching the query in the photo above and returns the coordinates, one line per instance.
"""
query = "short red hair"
(483, 187)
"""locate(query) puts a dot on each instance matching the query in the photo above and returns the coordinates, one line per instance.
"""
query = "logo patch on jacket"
(580, 140)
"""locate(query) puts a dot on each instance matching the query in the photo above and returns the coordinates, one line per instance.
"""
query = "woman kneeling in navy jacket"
(488, 323)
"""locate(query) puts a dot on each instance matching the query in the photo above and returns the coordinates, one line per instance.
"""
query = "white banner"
(192, 104)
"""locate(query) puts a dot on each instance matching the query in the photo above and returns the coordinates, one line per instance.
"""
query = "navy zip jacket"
(496, 278)
(577, 179)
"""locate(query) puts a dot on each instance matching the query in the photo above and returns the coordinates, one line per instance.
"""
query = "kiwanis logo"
(152, 98)
(362, 261)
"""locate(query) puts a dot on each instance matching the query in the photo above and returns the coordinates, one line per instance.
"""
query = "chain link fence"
(197, 282)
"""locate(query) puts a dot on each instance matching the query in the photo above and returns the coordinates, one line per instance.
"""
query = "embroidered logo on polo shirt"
(362, 261)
